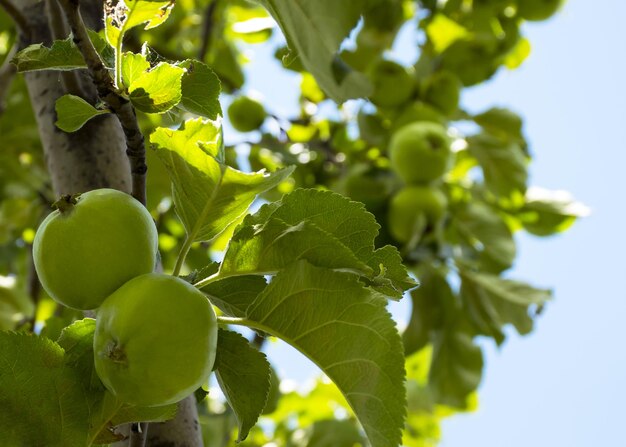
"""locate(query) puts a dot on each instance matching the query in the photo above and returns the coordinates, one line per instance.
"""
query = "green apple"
(394, 84)
(443, 90)
(246, 114)
(155, 340)
(420, 152)
(417, 111)
(537, 10)
(91, 245)
(411, 204)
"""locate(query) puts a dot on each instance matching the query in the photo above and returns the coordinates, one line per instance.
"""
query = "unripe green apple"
(417, 111)
(394, 84)
(155, 340)
(443, 90)
(537, 10)
(91, 245)
(420, 152)
(246, 114)
(409, 204)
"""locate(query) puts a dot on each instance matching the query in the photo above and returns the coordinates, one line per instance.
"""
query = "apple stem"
(66, 203)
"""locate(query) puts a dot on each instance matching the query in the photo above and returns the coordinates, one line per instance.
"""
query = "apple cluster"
(156, 335)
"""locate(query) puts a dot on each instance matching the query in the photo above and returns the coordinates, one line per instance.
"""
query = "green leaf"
(482, 227)
(493, 302)
(335, 433)
(275, 245)
(391, 278)
(243, 374)
(133, 67)
(208, 195)
(73, 112)
(322, 227)
(38, 391)
(234, 295)
(548, 212)
(501, 122)
(432, 301)
(503, 164)
(345, 329)
(315, 30)
(157, 90)
(131, 13)
(200, 90)
(456, 368)
(443, 32)
(62, 55)
(104, 411)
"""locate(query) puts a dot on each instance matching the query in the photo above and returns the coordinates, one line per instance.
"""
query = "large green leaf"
(493, 302)
(243, 374)
(345, 329)
(73, 112)
(209, 195)
(157, 90)
(324, 228)
(133, 67)
(40, 400)
(315, 30)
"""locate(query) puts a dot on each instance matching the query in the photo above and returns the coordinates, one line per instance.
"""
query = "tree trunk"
(93, 157)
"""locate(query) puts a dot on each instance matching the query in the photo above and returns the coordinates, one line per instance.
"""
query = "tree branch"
(207, 30)
(17, 16)
(120, 106)
(138, 432)
(59, 31)
(7, 74)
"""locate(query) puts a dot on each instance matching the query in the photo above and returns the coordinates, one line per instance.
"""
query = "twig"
(59, 31)
(120, 106)
(18, 17)
(138, 434)
(7, 74)
(207, 29)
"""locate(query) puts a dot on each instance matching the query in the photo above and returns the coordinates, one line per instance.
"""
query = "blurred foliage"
(461, 260)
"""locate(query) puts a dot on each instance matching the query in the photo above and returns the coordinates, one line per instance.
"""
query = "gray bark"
(94, 157)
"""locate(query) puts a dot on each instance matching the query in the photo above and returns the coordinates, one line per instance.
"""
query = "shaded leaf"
(456, 368)
(200, 90)
(548, 212)
(493, 302)
(73, 112)
(243, 374)
(503, 164)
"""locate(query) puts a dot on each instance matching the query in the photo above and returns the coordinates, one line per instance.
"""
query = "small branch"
(7, 74)
(18, 17)
(138, 434)
(207, 30)
(59, 31)
(182, 255)
(120, 106)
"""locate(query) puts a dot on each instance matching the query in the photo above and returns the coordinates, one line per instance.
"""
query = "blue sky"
(564, 383)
